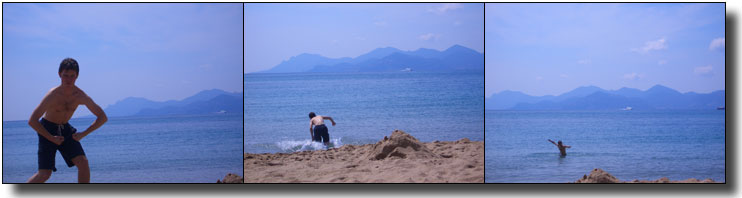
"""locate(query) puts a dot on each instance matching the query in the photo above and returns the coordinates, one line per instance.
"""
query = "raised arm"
(33, 121)
(97, 111)
(329, 118)
(553, 142)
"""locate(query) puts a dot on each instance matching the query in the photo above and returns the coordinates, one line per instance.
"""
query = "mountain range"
(455, 58)
(595, 98)
(204, 102)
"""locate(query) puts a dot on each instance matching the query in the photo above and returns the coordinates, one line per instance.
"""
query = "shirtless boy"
(317, 128)
(562, 148)
(53, 130)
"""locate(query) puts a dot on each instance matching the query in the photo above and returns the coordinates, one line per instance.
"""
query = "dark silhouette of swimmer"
(562, 147)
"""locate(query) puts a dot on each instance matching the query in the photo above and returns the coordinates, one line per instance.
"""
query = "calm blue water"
(627, 144)
(366, 107)
(172, 149)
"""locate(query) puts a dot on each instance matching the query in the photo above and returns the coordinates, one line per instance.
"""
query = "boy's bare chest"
(65, 103)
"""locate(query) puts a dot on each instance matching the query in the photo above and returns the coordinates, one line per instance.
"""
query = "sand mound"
(401, 145)
(600, 176)
(230, 178)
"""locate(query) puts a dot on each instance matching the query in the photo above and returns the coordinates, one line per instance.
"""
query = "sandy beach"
(599, 176)
(399, 158)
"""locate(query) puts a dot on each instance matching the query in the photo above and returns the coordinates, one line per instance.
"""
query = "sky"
(156, 51)
(550, 49)
(276, 32)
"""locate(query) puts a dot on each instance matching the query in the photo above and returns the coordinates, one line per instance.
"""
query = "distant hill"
(455, 58)
(595, 98)
(132, 105)
(304, 62)
(508, 99)
(204, 102)
(221, 104)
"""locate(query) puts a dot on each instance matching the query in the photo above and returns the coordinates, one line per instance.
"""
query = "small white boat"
(407, 69)
(221, 112)
(627, 109)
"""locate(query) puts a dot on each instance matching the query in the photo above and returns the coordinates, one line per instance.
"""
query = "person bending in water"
(562, 148)
(54, 131)
(317, 128)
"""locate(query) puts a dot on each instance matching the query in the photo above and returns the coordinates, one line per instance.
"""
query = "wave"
(290, 146)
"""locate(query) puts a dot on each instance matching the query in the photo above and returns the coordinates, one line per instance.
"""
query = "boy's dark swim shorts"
(48, 150)
(321, 134)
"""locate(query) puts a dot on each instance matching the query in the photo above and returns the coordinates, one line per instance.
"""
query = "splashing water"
(290, 146)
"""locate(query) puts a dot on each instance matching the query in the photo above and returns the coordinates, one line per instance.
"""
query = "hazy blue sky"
(542, 49)
(276, 32)
(156, 51)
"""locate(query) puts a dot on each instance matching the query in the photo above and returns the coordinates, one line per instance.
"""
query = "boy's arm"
(553, 142)
(97, 111)
(311, 132)
(33, 121)
(329, 118)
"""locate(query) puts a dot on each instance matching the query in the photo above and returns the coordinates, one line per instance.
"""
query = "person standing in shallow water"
(317, 128)
(562, 148)
(54, 131)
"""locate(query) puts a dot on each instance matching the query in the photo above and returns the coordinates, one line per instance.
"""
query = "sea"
(161, 149)
(643, 145)
(366, 107)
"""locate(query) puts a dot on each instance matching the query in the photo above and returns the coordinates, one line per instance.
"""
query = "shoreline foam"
(399, 158)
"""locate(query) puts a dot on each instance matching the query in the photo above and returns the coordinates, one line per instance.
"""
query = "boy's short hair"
(69, 64)
(311, 115)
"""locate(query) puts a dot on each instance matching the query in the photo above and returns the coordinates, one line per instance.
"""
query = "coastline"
(399, 158)
(600, 176)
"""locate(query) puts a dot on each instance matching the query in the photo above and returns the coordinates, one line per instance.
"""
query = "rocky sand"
(599, 176)
(399, 158)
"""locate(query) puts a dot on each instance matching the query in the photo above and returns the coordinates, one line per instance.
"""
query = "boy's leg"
(74, 154)
(83, 170)
(45, 155)
(41, 176)
(326, 137)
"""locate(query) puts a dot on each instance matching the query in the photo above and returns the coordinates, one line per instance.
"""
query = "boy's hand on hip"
(78, 136)
(57, 140)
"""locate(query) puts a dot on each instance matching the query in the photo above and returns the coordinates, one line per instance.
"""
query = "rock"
(463, 140)
(598, 176)
(230, 178)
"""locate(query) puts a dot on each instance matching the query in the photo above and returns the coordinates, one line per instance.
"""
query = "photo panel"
(122, 93)
(605, 93)
(364, 93)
